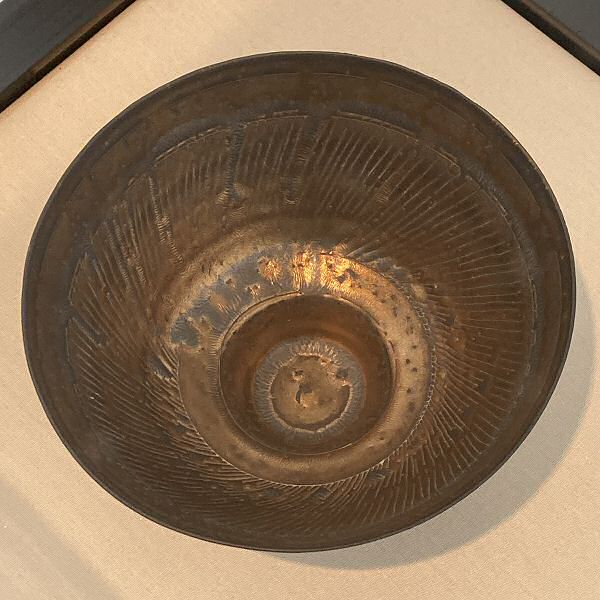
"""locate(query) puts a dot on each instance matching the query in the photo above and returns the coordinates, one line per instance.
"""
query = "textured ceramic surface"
(298, 301)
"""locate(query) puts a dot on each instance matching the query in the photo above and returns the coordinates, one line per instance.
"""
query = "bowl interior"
(298, 301)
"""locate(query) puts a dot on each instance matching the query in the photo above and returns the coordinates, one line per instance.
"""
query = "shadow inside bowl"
(507, 490)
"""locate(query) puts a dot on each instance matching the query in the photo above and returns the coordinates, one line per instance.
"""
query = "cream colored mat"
(532, 531)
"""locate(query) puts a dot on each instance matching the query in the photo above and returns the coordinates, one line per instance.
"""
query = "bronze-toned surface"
(298, 301)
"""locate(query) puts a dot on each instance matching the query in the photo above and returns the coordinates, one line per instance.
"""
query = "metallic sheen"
(298, 301)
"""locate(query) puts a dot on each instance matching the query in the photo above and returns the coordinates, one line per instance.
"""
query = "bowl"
(298, 301)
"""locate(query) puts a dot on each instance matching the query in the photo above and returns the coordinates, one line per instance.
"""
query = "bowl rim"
(42, 232)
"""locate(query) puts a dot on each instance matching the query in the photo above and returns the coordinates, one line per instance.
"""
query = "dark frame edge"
(558, 32)
(60, 52)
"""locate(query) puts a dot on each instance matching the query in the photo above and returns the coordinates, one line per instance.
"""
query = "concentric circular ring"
(309, 388)
(264, 302)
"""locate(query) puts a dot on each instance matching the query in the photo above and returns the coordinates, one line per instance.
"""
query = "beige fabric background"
(532, 531)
